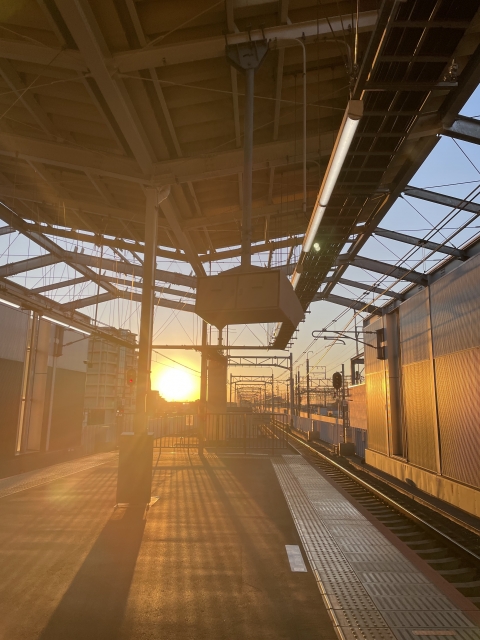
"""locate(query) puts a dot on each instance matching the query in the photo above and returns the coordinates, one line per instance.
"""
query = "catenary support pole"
(309, 412)
(299, 394)
(273, 396)
(292, 396)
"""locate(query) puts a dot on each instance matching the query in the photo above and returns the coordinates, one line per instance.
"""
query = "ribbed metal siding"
(372, 363)
(418, 395)
(376, 392)
(415, 328)
(14, 329)
(455, 301)
(357, 406)
(420, 414)
(458, 401)
(376, 412)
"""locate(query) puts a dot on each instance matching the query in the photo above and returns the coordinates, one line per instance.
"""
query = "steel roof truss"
(463, 128)
(440, 198)
(367, 287)
(388, 270)
(419, 242)
(15, 268)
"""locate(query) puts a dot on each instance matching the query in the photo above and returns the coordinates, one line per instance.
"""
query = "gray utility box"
(240, 296)
(347, 448)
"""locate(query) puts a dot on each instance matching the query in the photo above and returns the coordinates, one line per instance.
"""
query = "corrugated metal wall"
(26, 376)
(357, 406)
(456, 340)
(376, 413)
(415, 328)
(455, 300)
(418, 395)
(459, 410)
(419, 414)
(376, 393)
(439, 360)
(14, 330)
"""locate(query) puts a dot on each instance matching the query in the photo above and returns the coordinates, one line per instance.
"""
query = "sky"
(453, 168)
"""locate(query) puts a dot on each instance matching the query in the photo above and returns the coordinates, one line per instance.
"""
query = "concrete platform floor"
(207, 561)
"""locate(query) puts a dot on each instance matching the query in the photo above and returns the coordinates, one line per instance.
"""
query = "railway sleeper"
(460, 574)
(441, 564)
(439, 553)
(400, 528)
(423, 545)
(469, 589)
(409, 534)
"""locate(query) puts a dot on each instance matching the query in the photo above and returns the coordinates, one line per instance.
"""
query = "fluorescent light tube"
(62, 324)
(349, 125)
(10, 304)
(79, 330)
(342, 144)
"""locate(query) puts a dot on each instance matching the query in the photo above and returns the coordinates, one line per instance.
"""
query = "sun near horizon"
(175, 384)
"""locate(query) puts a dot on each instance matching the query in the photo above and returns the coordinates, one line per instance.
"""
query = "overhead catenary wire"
(453, 213)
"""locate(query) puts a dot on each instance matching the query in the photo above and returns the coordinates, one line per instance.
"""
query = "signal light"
(131, 377)
(337, 380)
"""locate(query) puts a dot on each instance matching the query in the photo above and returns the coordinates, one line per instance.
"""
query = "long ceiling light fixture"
(349, 125)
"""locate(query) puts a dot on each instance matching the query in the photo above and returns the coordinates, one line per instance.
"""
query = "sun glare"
(175, 385)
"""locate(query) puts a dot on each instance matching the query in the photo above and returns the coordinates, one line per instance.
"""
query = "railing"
(175, 432)
(234, 432)
(246, 432)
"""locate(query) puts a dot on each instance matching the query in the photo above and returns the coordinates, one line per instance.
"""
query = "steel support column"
(146, 317)
(136, 449)
(247, 169)
(203, 389)
(246, 58)
(292, 394)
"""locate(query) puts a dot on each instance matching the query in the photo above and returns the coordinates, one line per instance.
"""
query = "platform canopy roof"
(101, 99)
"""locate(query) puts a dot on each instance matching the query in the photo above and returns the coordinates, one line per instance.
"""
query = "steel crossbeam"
(440, 198)
(283, 362)
(419, 242)
(463, 128)
(385, 269)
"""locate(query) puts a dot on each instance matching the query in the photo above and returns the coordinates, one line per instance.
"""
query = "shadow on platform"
(209, 563)
(94, 604)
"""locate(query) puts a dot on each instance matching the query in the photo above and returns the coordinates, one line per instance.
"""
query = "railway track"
(445, 544)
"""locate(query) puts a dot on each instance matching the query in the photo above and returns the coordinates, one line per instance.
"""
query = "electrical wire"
(175, 361)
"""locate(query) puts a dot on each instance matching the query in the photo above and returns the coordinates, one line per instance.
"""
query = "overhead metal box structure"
(250, 296)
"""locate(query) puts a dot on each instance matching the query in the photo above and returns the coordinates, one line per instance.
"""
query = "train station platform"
(209, 558)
